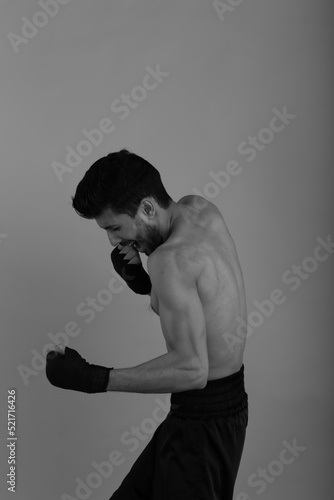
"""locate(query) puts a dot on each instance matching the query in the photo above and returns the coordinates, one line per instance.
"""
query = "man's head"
(125, 195)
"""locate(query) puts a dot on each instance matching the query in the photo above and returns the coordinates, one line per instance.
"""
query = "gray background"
(226, 74)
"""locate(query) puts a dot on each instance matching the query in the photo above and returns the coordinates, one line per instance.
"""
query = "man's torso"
(201, 234)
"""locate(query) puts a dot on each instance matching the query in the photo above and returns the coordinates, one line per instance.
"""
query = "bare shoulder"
(198, 203)
(201, 212)
(169, 262)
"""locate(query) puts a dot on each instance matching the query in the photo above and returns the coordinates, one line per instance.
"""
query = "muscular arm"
(185, 366)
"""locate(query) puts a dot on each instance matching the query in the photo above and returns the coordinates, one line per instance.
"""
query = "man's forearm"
(164, 374)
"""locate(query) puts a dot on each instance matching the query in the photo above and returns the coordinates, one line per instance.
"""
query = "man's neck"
(172, 213)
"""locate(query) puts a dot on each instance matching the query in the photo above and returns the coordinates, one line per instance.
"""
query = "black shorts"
(195, 453)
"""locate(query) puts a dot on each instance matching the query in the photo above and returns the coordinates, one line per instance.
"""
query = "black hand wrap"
(71, 371)
(134, 275)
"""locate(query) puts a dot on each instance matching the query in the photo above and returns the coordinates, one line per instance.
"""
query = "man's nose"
(114, 241)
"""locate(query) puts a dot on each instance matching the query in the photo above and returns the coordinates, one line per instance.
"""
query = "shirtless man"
(196, 287)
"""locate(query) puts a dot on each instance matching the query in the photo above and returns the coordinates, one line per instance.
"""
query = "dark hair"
(118, 181)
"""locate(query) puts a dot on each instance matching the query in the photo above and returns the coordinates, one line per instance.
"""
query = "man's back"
(200, 235)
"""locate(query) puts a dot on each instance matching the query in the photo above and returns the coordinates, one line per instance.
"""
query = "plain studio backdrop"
(229, 99)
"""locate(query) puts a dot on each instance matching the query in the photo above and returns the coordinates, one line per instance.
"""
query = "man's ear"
(148, 208)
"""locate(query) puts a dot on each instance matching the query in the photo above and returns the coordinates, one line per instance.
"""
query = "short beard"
(149, 237)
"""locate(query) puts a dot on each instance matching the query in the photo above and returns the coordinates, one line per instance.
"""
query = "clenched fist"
(68, 370)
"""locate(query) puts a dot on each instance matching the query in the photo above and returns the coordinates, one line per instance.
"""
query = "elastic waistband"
(221, 397)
